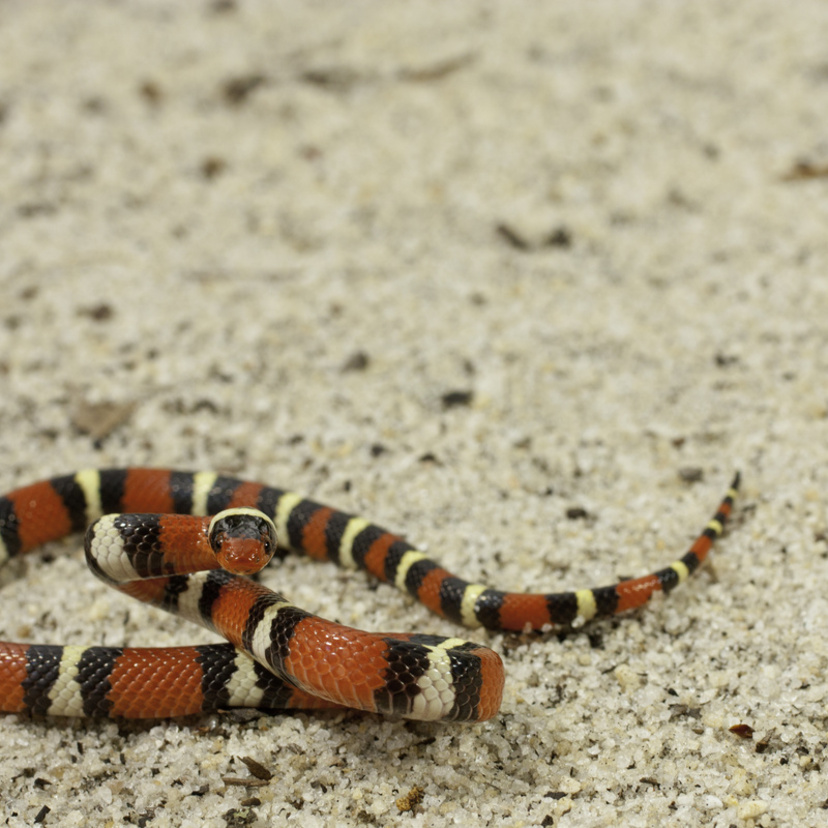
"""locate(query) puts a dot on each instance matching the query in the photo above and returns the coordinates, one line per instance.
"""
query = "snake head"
(243, 540)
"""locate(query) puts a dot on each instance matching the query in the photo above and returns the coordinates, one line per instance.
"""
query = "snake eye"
(268, 537)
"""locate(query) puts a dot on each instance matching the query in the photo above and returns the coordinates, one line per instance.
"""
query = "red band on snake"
(147, 540)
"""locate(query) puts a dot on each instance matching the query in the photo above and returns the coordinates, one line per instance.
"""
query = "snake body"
(152, 535)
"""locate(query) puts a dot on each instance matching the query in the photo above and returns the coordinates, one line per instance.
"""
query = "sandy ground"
(525, 282)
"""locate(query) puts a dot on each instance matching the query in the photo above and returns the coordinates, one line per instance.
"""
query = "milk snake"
(279, 656)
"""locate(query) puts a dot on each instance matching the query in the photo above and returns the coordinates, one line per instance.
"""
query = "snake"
(190, 543)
